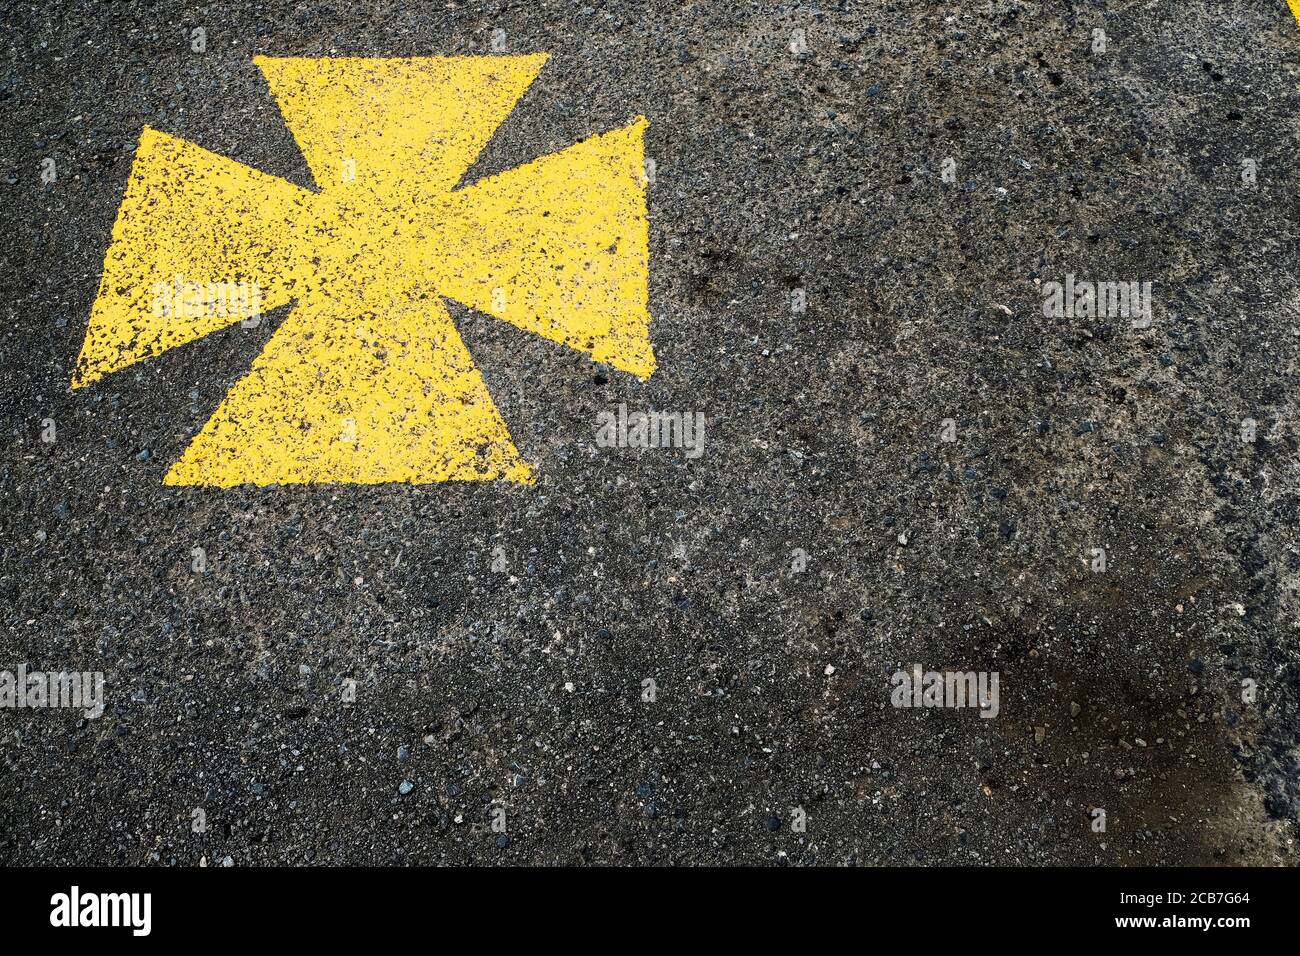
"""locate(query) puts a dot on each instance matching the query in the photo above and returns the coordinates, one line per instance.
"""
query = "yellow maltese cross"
(367, 380)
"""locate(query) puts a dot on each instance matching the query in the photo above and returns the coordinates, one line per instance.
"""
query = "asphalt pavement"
(686, 655)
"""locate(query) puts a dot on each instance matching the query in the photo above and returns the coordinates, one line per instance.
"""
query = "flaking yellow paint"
(367, 380)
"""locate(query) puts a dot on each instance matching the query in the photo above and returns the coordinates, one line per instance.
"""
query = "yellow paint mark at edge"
(1295, 8)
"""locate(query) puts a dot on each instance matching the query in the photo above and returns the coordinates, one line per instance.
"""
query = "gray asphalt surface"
(522, 690)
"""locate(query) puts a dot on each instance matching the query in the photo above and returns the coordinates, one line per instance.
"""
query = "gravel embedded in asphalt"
(648, 657)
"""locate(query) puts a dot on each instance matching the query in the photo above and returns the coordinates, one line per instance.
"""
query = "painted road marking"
(1295, 8)
(367, 380)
